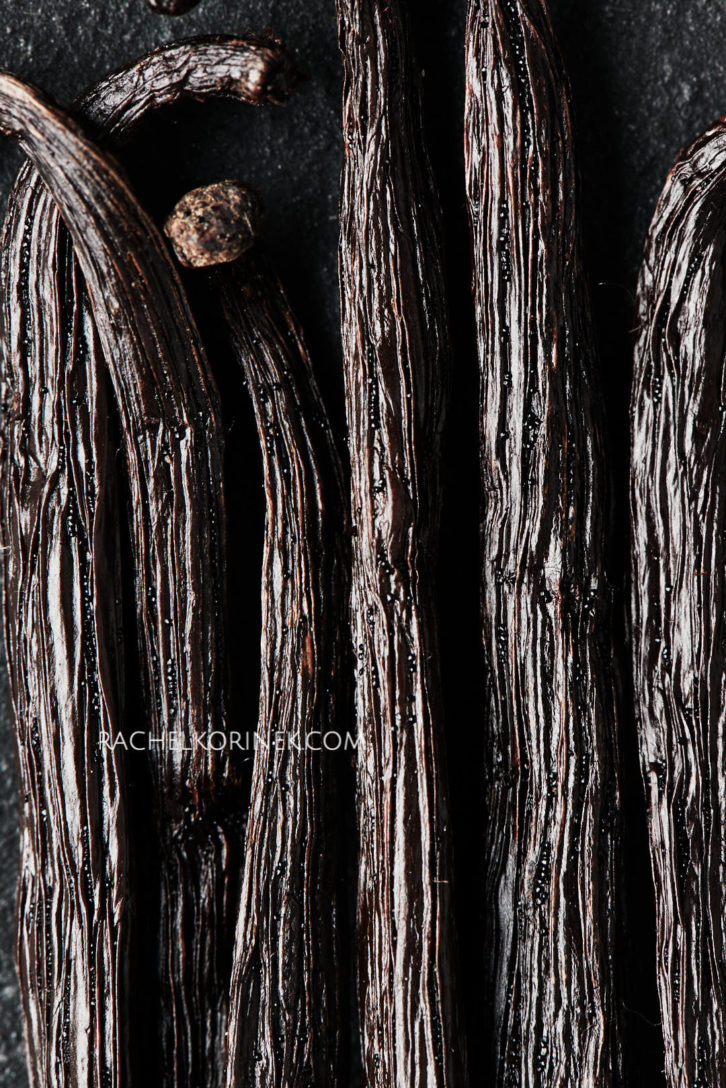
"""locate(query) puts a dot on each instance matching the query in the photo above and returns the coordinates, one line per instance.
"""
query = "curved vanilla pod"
(551, 778)
(285, 1024)
(285, 1017)
(678, 506)
(253, 71)
(63, 637)
(395, 344)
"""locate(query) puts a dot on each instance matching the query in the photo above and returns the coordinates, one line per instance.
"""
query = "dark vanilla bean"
(253, 71)
(285, 1002)
(396, 354)
(285, 1024)
(63, 640)
(678, 505)
(551, 784)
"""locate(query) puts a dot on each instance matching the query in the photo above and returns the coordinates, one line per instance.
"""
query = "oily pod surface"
(285, 1004)
(678, 595)
(35, 237)
(63, 642)
(552, 791)
(395, 358)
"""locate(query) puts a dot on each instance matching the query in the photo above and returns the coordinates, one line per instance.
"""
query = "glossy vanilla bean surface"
(63, 640)
(196, 844)
(396, 355)
(286, 1024)
(678, 505)
(551, 790)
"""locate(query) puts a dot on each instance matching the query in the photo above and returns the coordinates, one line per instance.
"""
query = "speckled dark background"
(648, 75)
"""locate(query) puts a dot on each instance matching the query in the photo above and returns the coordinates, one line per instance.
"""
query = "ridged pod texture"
(396, 355)
(551, 790)
(678, 506)
(286, 1025)
(62, 632)
(138, 317)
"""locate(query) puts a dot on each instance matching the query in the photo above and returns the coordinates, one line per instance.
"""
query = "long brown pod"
(285, 1015)
(285, 1023)
(63, 640)
(253, 71)
(551, 789)
(678, 505)
(285, 1004)
(395, 356)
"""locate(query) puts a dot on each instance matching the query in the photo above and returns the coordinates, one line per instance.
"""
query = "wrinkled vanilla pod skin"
(197, 873)
(552, 793)
(678, 507)
(63, 637)
(395, 360)
(286, 1024)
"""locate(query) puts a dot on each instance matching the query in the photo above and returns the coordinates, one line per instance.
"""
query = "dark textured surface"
(551, 891)
(287, 956)
(647, 76)
(679, 527)
(196, 875)
(397, 362)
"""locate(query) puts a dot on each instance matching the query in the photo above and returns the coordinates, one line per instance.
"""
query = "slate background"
(647, 75)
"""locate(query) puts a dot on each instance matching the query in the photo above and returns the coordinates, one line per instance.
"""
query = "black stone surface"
(648, 75)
